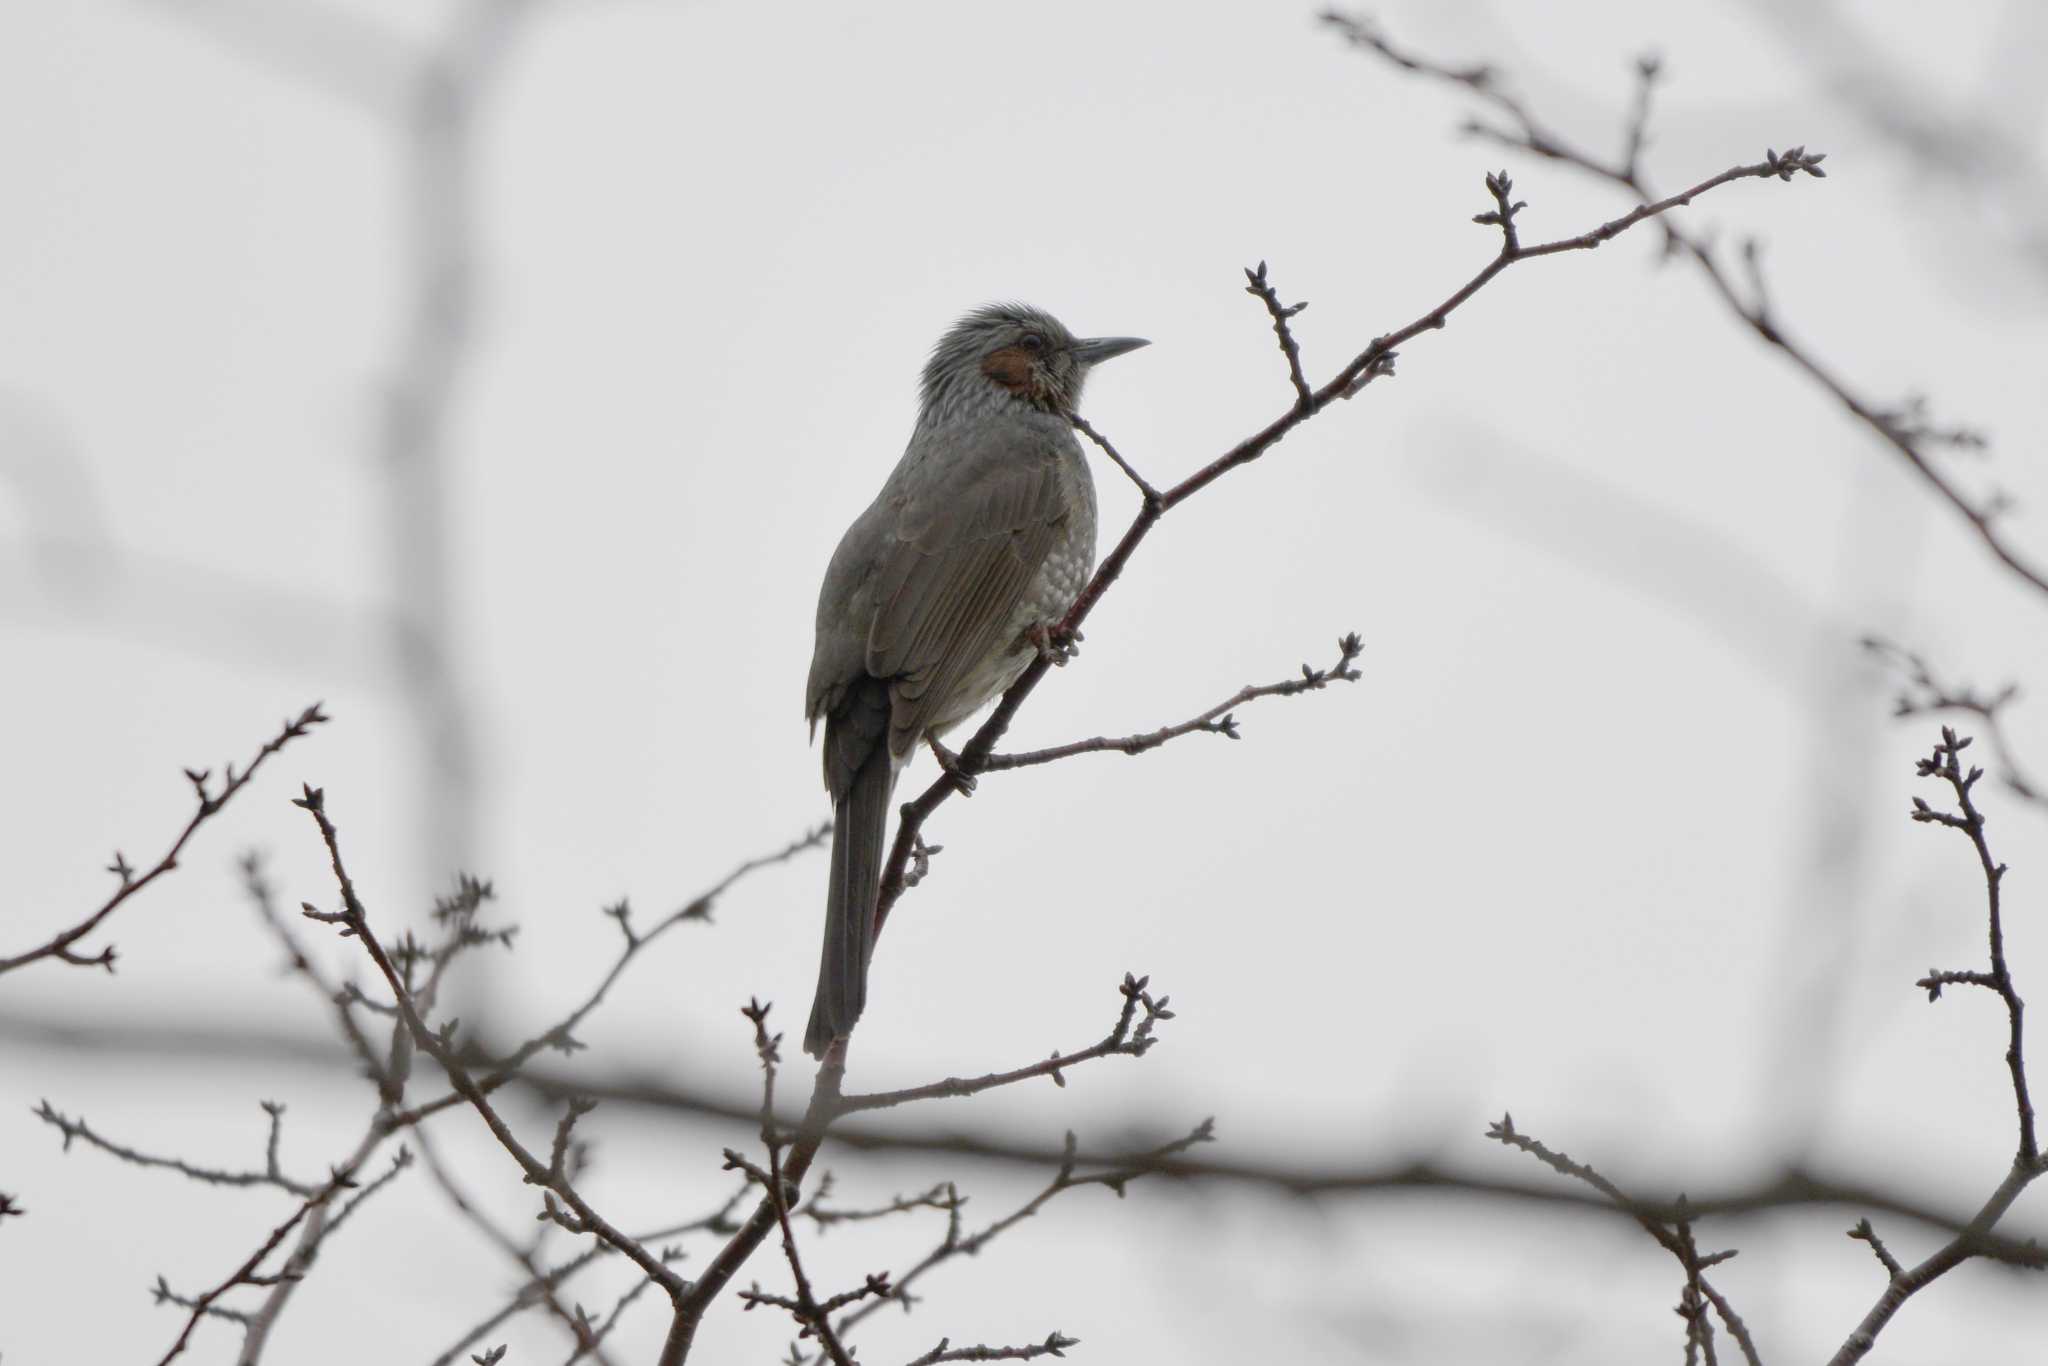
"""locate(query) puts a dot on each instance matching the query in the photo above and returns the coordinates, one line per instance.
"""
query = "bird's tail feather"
(859, 822)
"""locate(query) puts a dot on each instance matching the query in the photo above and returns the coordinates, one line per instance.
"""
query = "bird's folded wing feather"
(965, 553)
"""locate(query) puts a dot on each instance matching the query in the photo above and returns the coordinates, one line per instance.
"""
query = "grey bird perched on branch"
(983, 535)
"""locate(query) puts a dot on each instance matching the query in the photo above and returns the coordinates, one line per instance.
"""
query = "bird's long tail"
(859, 821)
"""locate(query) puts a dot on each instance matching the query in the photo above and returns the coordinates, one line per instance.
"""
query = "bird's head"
(1012, 352)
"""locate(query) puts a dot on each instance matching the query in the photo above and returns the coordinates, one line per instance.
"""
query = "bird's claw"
(963, 782)
(1055, 644)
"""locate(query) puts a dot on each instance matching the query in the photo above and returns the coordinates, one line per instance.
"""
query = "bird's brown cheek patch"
(1009, 367)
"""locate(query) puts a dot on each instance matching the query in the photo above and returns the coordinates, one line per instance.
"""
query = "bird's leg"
(963, 782)
(1055, 644)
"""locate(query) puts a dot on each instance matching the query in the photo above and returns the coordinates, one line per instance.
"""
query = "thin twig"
(592, 1345)
(1069, 1176)
(540, 1285)
(1129, 1036)
(1282, 315)
(1864, 1233)
(1145, 489)
(400, 1162)
(247, 1273)
(561, 1036)
(1925, 692)
(212, 1176)
(313, 1235)
(1901, 1284)
(813, 1315)
(706, 1288)
(354, 921)
(1912, 442)
(1737, 1329)
(209, 805)
(1217, 720)
(1944, 764)
(1055, 1345)
(940, 1196)
(543, 1285)
(1673, 1233)
(342, 999)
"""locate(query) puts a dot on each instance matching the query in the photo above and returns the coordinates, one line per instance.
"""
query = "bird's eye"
(1032, 342)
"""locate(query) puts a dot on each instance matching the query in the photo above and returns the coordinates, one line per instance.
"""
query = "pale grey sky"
(1611, 834)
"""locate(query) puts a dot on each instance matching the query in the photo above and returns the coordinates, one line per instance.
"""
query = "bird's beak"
(1095, 350)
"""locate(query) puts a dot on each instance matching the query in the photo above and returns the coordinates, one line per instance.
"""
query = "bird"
(940, 593)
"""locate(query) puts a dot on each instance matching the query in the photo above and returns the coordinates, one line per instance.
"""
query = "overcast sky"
(1610, 834)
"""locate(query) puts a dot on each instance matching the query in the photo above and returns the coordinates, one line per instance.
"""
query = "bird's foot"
(1055, 644)
(963, 782)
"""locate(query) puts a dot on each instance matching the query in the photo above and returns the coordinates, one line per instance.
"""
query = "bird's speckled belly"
(1060, 580)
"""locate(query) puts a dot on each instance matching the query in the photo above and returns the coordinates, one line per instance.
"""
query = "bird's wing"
(965, 551)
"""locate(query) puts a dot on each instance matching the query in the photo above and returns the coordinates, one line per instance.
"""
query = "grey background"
(1611, 834)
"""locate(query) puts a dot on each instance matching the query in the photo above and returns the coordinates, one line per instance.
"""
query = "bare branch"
(354, 921)
(248, 1272)
(161, 1293)
(1944, 764)
(212, 1176)
(541, 1288)
(540, 1285)
(940, 1197)
(1926, 693)
(210, 802)
(1217, 720)
(1145, 490)
(1676, 1238)
(400, 1161)
(1902, 1285)
(1055, 1345)
(690, 1309)
(1863, 1232)
(1260, 288)
(312, 1236)
(1068, 1177)
(1129, 1036)
(342, 999)
(561, 1036)
(312, 1221)
(814, 1316)
(592, 1343)
(1914, 442)
(1737, 1329)
(827, 1105)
